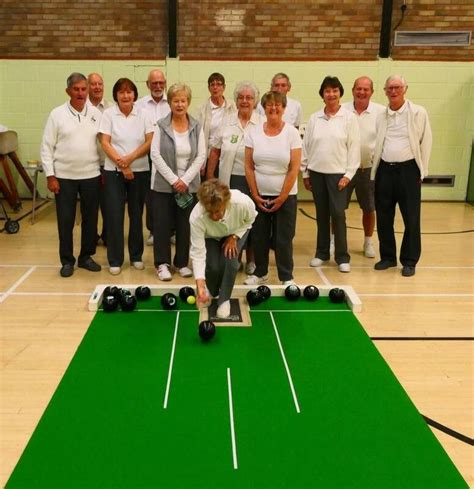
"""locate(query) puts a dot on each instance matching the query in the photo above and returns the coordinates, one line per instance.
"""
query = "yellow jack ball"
(191, 300)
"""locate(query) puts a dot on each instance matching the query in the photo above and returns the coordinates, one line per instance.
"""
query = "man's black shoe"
(90, 265)
(384, 264)
(408, 271)
(66, 270)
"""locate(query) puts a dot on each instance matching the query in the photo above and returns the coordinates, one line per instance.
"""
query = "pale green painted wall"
(30, 89)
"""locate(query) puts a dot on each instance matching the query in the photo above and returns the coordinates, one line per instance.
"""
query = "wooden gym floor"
(423, 326)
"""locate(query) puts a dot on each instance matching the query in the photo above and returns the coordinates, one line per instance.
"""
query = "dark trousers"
(221, 271)
(66, 201)
(119, 191)
(277, 228)
(102, 206)
(398, 183)
(330, 206)
(167, 216)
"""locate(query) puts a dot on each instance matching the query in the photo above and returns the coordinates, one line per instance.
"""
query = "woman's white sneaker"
(115, 270)
(138, 265)
(344, 267)
(163, 272)
(254, 280)
(316, 262)
(223, 311)
(250, 268)
(185, 272)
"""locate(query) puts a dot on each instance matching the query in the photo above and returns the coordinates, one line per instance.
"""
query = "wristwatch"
(235, 237)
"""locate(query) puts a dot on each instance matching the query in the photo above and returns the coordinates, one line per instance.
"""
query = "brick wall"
(270, 29)
(428, 15)
(89, 29)
(221, 29)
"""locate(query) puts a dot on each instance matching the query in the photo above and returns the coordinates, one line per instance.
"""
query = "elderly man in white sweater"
(71, 162)
(401, 157)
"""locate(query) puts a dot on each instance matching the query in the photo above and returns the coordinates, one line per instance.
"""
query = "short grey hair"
(281, 75)
(74, 78)
(396, 77)
(247, 85)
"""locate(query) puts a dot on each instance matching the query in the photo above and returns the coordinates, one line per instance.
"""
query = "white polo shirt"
(396, 146)
(102, 105)
(155, 110)
(368, 133)
(126, 134)
(331, 144)
(271, 156)
(293, 112)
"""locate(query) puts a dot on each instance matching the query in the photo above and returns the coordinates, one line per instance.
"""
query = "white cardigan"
(419, 133)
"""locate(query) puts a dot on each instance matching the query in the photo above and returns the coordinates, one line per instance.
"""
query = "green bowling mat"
(302, 399)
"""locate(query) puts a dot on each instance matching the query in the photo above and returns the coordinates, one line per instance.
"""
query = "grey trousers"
(221, 271)
(330, 206)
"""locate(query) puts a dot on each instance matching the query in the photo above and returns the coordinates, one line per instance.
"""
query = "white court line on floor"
(17, 284)
(231, 415)
(323, 277)
(417, 295)
(399, 267)
(288, 373)
(170, 370)
(306, 311)
(51, 293)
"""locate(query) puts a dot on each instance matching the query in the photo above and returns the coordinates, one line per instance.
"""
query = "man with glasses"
(401, 158)
(212, 113)
(157, 107)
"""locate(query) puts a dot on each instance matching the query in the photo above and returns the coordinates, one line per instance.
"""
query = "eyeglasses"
(273, 106)
(395, 88)
(216, 84)
(245, 97)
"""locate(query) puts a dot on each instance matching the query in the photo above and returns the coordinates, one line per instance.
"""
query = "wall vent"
(439, 180)
(432, 38)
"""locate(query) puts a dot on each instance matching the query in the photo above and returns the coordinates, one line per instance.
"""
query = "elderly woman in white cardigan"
(227, 155)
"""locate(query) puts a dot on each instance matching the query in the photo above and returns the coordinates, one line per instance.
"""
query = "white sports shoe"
(223, 311)
(288, 282)
(115, 270)
(149, 241)
(138, 265)
(369, 250)
(316, 262)
(250, 268)
(163, 272)
(344, 267)
(185, 272)
(254, 280)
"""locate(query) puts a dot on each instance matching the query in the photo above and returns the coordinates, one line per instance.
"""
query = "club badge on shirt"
(234, 138)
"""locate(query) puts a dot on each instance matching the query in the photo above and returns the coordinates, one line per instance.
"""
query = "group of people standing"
(152, 153)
